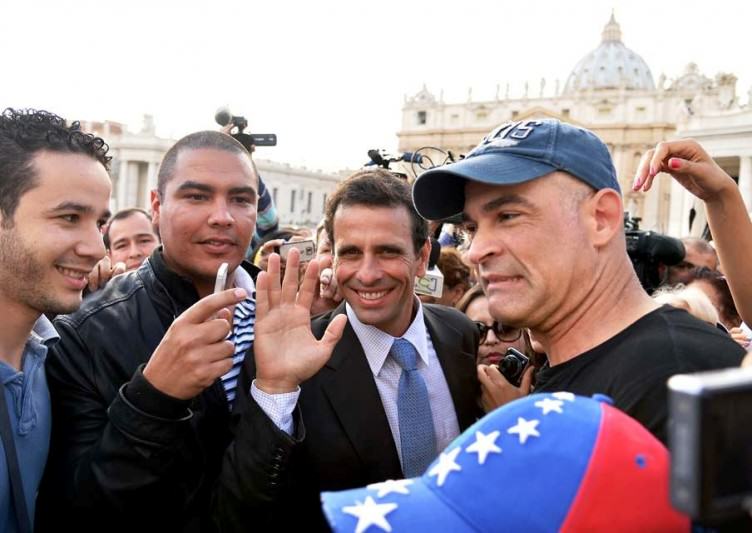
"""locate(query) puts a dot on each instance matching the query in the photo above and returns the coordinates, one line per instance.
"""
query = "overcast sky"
(329, 76)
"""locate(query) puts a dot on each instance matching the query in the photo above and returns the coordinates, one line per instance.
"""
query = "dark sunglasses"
(507, 334)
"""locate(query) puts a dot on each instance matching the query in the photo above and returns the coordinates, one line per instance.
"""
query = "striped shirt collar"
(376, 343)
(243, 280)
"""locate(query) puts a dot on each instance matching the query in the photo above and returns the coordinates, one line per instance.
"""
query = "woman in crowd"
(691, 299)
(494, 339)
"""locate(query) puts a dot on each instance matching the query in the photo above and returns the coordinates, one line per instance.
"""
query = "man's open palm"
(285, 349)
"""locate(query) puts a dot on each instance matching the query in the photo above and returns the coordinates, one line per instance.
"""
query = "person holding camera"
(542, 206)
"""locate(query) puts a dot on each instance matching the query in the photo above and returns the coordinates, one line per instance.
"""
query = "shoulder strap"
(16, 483)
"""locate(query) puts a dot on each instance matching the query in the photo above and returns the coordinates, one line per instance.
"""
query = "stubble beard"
(22, 277)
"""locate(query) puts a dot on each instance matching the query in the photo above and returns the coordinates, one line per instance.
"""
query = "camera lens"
(510, 365)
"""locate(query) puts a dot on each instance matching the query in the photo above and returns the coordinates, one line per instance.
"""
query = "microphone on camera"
(223, 116)
(376, 159)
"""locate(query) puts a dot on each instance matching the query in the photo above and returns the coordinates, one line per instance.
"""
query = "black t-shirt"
(633, 366)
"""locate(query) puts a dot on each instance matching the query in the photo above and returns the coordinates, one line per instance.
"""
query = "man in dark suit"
(399, 386)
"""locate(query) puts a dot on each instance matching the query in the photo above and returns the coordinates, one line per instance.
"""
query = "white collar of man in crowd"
(376, 343)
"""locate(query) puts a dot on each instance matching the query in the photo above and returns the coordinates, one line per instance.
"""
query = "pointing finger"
(308, 287)
(210, 305)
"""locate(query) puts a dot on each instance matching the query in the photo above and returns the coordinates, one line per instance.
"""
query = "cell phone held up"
(307, 250)
(220, 283)
(513, 365)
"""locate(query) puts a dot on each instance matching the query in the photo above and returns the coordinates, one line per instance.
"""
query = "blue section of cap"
(603, 398)
(514, 153)
(419, 510)
(528, 486)
(442, 191)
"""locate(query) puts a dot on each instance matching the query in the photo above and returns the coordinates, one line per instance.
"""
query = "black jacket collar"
(178, 290)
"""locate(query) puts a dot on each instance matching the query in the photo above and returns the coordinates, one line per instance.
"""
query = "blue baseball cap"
(546, 462)
(513, 153)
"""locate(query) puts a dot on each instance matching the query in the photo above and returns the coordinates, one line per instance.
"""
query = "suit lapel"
(458, 366)
(348, 383)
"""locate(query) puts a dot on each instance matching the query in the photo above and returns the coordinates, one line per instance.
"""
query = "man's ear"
(607, 216)
(156, 203)
(425, 252)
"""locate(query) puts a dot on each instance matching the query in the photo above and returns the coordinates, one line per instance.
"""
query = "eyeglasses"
(505, 334)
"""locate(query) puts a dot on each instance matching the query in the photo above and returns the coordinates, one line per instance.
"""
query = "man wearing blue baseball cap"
(541, 203)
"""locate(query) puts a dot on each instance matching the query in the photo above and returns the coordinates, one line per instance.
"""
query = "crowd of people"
(141, 396)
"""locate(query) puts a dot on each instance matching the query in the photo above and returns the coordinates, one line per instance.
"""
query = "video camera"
(223, 117)
(710, 439)
(648, 250)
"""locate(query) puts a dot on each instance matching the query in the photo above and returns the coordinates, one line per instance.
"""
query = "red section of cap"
(626, 486)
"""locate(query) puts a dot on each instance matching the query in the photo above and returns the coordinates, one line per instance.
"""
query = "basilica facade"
(612, 92)
(299, 193)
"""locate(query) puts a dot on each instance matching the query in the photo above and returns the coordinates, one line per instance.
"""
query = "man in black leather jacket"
(143, 378)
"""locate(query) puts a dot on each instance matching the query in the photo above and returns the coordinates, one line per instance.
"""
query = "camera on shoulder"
(224, 117)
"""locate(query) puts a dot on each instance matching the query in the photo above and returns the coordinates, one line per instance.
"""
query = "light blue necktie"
(417, 435)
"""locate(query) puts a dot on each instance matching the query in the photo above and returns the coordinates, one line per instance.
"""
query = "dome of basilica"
(610, 66)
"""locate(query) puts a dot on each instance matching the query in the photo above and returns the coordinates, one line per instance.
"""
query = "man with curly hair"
(54, 193)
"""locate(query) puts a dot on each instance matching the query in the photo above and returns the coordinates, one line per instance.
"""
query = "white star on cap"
(548, 405)
(391, 485)
(445, 466)
(525, 429)
(369, 513)
(568, 396)
(483, 445)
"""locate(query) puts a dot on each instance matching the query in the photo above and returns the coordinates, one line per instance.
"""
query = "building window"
(308, 203)
(515, 114)
(565, 113)
(422, 116)
(274, 196)
(292, 201)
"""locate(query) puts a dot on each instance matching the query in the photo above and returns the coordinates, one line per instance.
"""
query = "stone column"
(745, 180)
(122, 191)
(151, 183)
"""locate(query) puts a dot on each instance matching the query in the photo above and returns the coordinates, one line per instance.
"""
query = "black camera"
(710, 438)
(248, 140)
(648, 250)
(513, 365)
